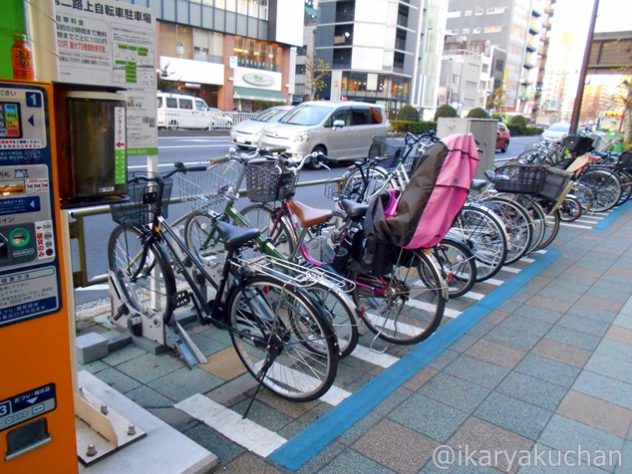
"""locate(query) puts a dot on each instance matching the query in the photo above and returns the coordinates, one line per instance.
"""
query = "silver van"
(340, 130)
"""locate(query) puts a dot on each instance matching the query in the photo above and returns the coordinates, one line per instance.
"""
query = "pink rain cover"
(449, 193)
(393, 199)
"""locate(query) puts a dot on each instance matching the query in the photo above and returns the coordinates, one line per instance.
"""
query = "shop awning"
(251, 93)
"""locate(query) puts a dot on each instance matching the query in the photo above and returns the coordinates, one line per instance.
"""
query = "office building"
(236, 54)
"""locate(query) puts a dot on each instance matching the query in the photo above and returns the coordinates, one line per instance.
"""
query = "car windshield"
(560, 127)
(270, 115)
(308, 115)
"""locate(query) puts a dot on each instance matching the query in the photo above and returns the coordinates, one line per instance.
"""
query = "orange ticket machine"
(37, 424)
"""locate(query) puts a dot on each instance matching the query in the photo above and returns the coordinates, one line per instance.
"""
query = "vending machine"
(37, 425)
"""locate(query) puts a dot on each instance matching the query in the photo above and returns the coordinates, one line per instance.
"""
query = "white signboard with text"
(257, 79)
(109, 43)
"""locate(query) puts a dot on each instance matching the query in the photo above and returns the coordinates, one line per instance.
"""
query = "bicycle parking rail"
(81, 278)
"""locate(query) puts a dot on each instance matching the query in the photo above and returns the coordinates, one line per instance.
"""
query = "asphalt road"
(198, 149)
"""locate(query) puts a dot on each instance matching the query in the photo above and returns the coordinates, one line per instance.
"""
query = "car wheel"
(504, 148)
(173, 125)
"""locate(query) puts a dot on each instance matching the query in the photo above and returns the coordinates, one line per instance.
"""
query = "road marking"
(372, 357)
(94, 288)
(379, 322)
(473, 295)
(493, 281)
(162, 147)
(527, 259)
(575, 226)
(511, 269)
(242, 431)
(587, 221)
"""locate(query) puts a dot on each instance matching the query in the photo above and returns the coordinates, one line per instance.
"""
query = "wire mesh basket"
(333, 189)
(137, 211)
(295, 274)
(519, 178)
(268, 181)
(555, 184)
(209, 190)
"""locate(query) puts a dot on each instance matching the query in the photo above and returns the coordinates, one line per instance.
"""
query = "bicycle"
(212, 195)
(405, 306)
(279, 333)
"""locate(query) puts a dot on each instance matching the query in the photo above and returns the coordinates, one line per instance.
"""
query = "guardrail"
(81, 279)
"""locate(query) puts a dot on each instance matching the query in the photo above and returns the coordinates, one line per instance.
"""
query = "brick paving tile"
(396, 447)
(514, 415)
(480, 436)
(420, 378)
(556, 304)
(597, 413)
(605, 388)
(562, 352)
(496, 317)
(549, 370)
(477, 371)
(620, 334)
(352, 461)
(495, 353)
(149, 367)
(184, 383)
(611, 366)
(456, 392)
(224, 364)
(223, 448)
(579, 323)
(573, 338)
(509, 337)
(615, 349)
(532, 390)
(520, 324)
(248, 462)
(599, 304)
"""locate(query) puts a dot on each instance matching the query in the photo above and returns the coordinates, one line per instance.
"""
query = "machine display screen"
(10, 120)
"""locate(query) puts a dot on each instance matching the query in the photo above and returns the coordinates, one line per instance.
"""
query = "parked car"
(220, 119)
(503, 136)
(556, 131)
(182, 111)
(248, 133)
(340, 130)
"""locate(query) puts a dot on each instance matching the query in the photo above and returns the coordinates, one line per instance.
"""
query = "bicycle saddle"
(309, 216)
(234, 236)
(354, 210)
(478, 184)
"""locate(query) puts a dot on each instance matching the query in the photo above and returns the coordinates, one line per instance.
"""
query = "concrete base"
(164, 449)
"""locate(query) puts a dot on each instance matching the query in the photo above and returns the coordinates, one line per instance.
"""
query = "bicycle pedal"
(183, 298)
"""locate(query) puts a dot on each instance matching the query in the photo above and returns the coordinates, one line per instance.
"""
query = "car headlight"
(300, 137)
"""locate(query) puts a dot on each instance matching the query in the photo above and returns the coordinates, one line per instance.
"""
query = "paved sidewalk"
(543, 377)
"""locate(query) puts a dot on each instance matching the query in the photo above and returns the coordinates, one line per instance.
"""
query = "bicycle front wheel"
(201, 237)
(457, 264)
(406, 306)
(362, 186)
(272, 225)
(282, 338)
(142, 272)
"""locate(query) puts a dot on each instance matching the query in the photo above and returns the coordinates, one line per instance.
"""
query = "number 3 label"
(4, 409)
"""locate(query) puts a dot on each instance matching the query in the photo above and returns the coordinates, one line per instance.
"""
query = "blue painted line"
(311, 440)
(613, 216)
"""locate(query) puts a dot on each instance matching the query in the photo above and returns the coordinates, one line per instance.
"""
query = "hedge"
(517, 130)
(419, 126)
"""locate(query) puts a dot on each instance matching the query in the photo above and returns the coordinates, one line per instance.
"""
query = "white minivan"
(340, 130)
(184, 111)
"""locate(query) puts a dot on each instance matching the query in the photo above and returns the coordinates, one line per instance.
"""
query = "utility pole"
(577, 105)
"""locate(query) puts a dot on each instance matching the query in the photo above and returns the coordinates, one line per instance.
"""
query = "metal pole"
(577, 105)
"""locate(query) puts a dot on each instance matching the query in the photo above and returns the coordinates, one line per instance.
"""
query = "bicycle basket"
(333, 189)
(137, 210)
(518, 178)
(266, 181)
(208, 190)
(555, 183)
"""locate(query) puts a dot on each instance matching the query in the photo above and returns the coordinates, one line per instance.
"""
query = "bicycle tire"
(518, 224)
(570, 209)
(361, 189)
(584, 195)
(280, 233)
(200, 238)
(458, 265)
(551, 229)
(150, 289)
(605, 186)
(410, 309)
(483, 232)
(292, 332)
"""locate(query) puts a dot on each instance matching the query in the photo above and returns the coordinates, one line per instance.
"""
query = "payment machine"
(37, 425)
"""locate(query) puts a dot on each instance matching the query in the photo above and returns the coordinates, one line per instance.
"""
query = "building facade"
(236, 54)
(515, 27)
(371, 48)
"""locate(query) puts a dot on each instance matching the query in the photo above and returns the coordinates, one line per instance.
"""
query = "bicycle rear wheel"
(271, 225)
(282, 338)
(361, 189)
(605, 186)
(518, 225)
(406, 306)
(457, 264)
(142, 272)
(201, 238)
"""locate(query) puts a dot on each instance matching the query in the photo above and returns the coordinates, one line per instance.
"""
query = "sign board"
(257, 79)
(24, 406)
(232, 62)
(110, 43)
(29, 271)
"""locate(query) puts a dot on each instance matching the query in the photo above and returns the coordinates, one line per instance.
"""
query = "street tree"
(316, 69)
(496, 99)
(626, 98)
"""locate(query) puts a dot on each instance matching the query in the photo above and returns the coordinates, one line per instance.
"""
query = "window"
(454, 14)
(493, 29)
(468, 12)
(200, 104)
(376, 115)
(159, 102)
(495, 10)
(485, 67)
(186, 104)
(455, 78)
(172, 103)
(479, 11)
(341, 114)
(476, 30)
(300, 69)
(360, 116)
(470, 84)
(465, 31)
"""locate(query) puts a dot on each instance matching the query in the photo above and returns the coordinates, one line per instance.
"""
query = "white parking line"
(587, 221)
(494, 281)
(511, 269)
(94, 288)
(575, 226)
(449, 312)
(242, 431)
(527, 259)
(373, 357)
(473, 295)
